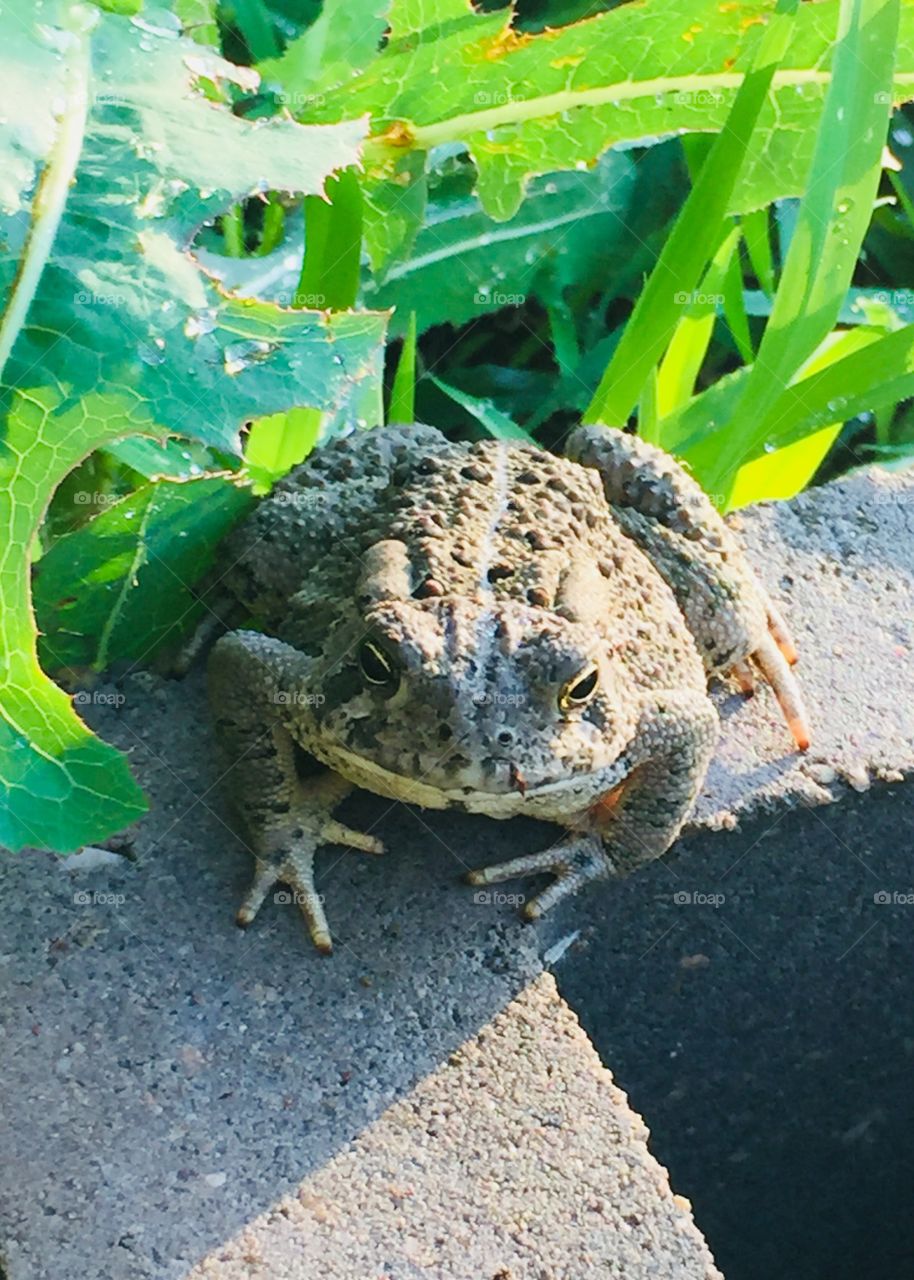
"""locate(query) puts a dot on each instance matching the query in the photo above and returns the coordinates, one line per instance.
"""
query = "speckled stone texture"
(468, 1177)
(165, 1079)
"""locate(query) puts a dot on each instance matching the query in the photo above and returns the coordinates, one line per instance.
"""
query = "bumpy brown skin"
(491, 579)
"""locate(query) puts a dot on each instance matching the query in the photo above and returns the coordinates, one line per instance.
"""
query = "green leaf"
(233, 231)
(694, 237)
(171, 459)
(111, 329)
(403, 392)
(333, 246)
(198, 20)
(784, 472)
(564, 337)
(735, 308)
(528, 105)
(689, 343)
(648, 410)
(278, 443)
(832, 222)
(253, 20)
(135, 566)
(497, 424)
(571, 231)
(758, 245)
(878, 371)
(342, 41)
(394, 210)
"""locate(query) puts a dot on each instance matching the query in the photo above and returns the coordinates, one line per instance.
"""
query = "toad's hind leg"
(670, 517)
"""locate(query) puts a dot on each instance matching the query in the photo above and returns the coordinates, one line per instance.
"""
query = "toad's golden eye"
(376, 666)
(578, 691)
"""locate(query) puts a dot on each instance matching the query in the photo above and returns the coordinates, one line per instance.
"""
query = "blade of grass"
(273, 226)
(689, 344)
(564, 338)
(403, 392)
(497, 424)
(735, 309)
(694, 236)
(881, 373)
(787, 471)
(758, 245)
(833, 218)
(233, 231)
(903, 198)
(333, 246)
(648, 415)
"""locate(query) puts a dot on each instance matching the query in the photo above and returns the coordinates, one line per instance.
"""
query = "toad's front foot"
(288, 858)
(573, 862)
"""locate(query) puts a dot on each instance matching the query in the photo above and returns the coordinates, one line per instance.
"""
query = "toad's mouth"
(509, 796)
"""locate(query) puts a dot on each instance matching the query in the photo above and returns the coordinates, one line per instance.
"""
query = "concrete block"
(166, 1079)
(519, 1158)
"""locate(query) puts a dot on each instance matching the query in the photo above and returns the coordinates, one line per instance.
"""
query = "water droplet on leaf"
(238, 356)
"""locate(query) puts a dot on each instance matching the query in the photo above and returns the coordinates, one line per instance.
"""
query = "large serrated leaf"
(110, 328)
(528, 105)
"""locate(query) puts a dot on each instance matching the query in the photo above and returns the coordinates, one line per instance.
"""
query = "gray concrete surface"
(517, 1158)
(166, 1078)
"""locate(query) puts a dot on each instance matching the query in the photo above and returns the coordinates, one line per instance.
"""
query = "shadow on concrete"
(756, 1001)
(168, 1076)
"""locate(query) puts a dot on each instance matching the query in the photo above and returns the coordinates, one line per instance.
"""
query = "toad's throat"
(509, 798)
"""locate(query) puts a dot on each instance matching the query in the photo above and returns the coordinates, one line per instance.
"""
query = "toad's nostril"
(505, 737)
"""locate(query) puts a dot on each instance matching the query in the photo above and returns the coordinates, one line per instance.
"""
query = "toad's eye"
(376, 666)
(579, 689)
